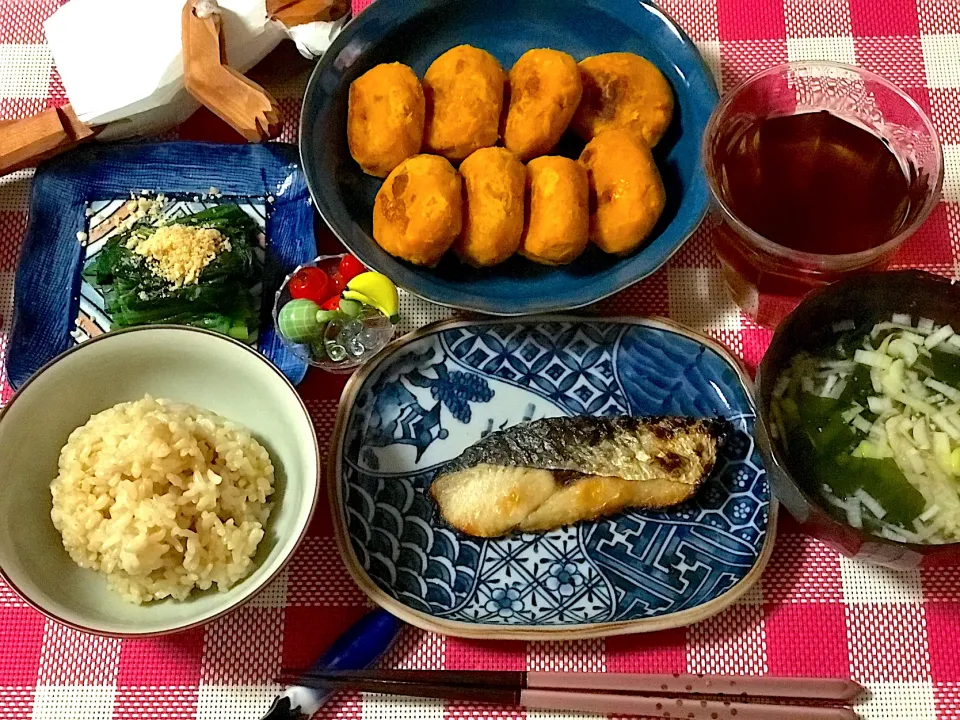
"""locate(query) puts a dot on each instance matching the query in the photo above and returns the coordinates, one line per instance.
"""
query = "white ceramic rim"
(268, 579)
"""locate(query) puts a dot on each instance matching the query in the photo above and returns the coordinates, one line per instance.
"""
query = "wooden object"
(235, 99)
(698, 697)
(298, 12)
(836, 690)
(27, 141)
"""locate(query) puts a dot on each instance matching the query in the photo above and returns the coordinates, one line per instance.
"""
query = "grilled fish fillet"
(553, 472)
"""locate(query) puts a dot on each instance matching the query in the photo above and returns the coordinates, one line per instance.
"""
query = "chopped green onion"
(920, 436)
(879, 405)
(870, 503)
(854, 514)
(862, 424)
(873, 358)
(853, 412)
(904, 349)
(938, 337)
(943, 389)
(916, 403)
(948, 427)
(880, 327)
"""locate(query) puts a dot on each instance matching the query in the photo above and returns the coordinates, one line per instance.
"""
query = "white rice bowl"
(162, 498)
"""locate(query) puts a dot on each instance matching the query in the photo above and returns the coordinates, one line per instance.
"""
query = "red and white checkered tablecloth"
(813, 613)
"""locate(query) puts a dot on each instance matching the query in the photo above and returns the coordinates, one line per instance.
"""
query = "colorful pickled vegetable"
(297, 321)
(377, 290)
(349, 268)
(329, 316)
(332, 304)
(311, 283)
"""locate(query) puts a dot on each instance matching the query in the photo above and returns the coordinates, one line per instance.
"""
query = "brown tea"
(813, 182)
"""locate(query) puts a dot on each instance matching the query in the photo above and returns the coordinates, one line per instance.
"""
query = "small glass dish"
(346, 343)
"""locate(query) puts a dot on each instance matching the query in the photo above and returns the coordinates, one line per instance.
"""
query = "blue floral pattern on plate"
(435, 394)
(51, 302)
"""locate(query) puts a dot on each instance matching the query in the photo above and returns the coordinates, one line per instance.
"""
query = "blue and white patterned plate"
(85, 191)
(437, 391)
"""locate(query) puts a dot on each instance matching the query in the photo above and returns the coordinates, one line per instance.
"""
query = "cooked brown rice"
(162, 498)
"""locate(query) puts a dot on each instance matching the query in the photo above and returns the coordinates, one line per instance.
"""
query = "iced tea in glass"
(816, 170)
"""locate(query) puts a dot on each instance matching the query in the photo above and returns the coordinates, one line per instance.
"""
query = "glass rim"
(823, 261)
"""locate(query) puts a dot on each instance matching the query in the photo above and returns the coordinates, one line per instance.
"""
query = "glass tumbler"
(768, 280)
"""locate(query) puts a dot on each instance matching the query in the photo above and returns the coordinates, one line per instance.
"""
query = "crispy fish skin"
(557, 471)
(634, 448)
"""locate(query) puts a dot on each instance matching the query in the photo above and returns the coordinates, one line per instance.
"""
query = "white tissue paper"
(314, 38)
(121, 64)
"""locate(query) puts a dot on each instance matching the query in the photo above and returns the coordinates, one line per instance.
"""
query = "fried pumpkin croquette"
(464, 93)
(623, 90)
(545, 90)
(493, 184)
(557, 219)
(626, 192)
(418, 212)
(385, 118)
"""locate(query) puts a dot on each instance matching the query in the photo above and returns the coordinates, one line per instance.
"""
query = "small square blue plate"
(54, 309)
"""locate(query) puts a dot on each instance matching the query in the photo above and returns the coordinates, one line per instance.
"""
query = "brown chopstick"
(442, 691)
(700, 697)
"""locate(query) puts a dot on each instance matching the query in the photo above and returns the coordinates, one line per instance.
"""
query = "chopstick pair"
(687, 697)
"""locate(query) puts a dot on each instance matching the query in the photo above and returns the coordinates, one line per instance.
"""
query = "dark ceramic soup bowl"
(865, 299)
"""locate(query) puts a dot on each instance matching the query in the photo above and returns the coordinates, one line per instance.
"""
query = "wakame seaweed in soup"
(873, 423)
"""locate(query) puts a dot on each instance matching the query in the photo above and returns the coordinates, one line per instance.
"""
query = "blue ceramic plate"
(415, 32)
(83, 191)
(441, 389)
